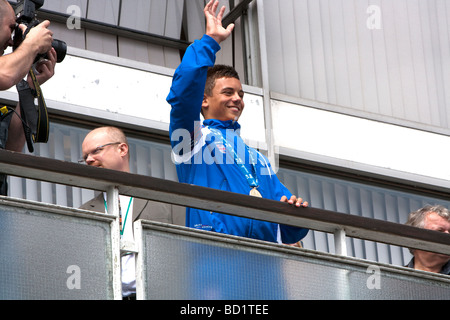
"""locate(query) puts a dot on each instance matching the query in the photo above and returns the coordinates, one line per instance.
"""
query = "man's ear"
(205, 104)
(205, 101)
(124, 149)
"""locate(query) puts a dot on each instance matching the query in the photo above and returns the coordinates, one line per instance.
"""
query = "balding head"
(5, 8)
(106, 147)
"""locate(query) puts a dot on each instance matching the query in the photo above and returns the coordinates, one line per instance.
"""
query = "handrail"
(76, 175)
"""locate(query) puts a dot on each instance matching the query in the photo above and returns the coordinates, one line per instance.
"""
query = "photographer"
(16, 65)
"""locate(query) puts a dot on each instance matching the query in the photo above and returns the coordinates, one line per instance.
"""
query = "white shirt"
(129, 260)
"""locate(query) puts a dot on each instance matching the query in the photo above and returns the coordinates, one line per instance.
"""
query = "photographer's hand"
(45, 68)
(16, 65)
(39, 38)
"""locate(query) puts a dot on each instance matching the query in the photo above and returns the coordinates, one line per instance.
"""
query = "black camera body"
(26, 13)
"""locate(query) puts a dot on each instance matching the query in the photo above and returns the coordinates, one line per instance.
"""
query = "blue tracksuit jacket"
(202, 158)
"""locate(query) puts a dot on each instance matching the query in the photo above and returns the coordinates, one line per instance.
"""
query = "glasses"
(97, 151)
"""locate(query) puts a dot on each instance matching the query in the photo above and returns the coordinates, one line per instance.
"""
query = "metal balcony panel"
(177, 263)
(53, 253)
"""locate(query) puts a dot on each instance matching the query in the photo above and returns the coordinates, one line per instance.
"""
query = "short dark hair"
(217, 72)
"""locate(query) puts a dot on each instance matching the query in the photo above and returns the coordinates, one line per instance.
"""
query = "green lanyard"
(122, 228)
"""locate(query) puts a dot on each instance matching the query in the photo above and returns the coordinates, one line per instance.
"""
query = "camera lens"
(60, 48)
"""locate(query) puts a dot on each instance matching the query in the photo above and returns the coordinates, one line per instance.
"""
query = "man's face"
(226, 102)
(100, 151)
(7, 26)
(435, 222)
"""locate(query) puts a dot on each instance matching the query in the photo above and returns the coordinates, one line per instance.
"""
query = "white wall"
(357, 141)
(121, 90)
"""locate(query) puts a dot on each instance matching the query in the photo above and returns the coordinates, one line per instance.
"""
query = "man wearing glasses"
(108, 148)
(100, 157)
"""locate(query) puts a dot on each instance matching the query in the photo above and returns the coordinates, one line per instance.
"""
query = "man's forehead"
(8, 14)
(433, 217)
(96, 137)
(227, 82)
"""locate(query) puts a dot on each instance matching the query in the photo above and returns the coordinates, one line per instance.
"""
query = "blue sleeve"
(289, 234)
(188, 84)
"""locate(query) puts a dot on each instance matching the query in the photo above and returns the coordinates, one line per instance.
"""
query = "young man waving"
(212, 154)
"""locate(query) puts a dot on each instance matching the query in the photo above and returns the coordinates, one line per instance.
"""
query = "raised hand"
(214, 27)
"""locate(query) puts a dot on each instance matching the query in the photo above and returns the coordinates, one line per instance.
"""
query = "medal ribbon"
(252, 179)
(122, 227)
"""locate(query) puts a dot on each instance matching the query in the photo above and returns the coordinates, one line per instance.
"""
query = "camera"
(26, 14)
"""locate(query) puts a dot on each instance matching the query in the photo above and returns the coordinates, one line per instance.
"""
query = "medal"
(251, 177)
(255, 193)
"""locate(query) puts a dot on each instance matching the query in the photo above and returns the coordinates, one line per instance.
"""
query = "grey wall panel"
(195, 26)
(73, 37)
(175, 19)
(162, 18)
(62, 5)
(107, 11)
(388, 58)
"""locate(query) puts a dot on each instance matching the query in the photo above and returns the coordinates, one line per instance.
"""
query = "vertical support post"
(271, 152)
(112, 203)
(141, 283)
(340, 242)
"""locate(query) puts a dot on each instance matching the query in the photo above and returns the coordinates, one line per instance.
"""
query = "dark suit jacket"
(145, 210)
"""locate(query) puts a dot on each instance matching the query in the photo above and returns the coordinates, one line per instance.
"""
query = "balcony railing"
(180, 263)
